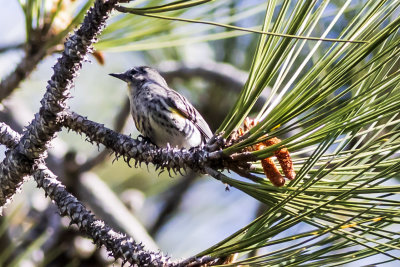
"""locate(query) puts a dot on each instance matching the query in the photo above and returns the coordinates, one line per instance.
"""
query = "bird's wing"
(185, 109)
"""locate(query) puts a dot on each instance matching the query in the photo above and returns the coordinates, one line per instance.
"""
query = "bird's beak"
(121, 76)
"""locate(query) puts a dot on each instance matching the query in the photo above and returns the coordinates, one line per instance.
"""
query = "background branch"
(27, 64)
(6, 48)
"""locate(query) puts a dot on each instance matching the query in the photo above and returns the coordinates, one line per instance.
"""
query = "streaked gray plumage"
(160, 113)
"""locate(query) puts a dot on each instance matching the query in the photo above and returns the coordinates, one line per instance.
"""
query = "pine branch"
(27, 152)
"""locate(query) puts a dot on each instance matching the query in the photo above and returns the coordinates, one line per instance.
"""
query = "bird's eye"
(133, 72)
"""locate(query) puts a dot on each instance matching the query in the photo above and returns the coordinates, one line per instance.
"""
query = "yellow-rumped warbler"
(160, 113)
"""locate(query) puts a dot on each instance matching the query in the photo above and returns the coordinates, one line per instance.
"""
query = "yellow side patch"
(176, 112)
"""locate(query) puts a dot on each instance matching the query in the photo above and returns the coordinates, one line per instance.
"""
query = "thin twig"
(9, 47)
(245, 173)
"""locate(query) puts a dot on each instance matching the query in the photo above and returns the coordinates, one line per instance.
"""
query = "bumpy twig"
(42, 129)
(120, 245)
(141, 150)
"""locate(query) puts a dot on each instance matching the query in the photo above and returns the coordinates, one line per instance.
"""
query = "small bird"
(160, 113)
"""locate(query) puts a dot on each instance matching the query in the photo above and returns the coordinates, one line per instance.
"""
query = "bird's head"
(137, 76)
